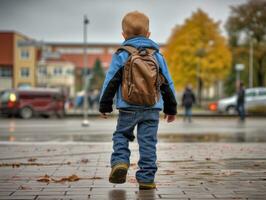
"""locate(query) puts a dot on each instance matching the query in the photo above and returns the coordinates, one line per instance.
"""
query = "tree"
(98, 76)
(196, 53)
(247, 23)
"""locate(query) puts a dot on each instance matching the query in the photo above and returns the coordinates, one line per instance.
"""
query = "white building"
(57, 74)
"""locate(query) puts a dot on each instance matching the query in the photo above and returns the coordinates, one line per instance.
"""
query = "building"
(74, 53)
(17, 61)
(57, 73)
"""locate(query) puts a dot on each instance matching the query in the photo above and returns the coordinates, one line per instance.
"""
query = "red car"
(29, 102)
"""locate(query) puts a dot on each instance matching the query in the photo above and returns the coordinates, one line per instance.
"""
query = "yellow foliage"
(197, 43)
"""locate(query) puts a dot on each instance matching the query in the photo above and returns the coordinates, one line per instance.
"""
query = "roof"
(78, 59)
(95, 44)
(14, 32)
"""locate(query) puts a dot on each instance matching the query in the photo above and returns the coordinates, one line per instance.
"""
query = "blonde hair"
(135, 24)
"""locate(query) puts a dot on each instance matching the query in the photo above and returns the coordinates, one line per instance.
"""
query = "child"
(135, 26)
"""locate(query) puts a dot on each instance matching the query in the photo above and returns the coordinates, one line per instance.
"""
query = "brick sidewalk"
(186, 171)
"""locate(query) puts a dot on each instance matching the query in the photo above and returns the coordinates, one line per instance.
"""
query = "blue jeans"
(188, 113)
(241, 111)
(147, 126)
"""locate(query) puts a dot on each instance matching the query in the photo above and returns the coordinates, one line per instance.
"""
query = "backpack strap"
(151, 51)
(131, 50)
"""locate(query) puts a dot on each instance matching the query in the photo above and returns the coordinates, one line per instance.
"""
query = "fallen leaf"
(32, 159)
(48, 150)
(15, 165)
(168, 172)
(44, 178)
(84, 161)
(71, 178)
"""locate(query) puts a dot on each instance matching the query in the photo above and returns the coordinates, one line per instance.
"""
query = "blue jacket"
(113, 80)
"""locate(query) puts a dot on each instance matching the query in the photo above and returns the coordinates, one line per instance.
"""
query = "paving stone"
(232, 170)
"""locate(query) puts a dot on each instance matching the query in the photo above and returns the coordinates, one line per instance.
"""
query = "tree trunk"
(261, 73)
(200, 91)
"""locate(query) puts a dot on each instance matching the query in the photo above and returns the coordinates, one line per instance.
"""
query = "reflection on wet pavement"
(166, 137)
(66, 130)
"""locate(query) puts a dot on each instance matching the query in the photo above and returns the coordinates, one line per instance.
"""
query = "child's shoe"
(147, 186)
(118, 174)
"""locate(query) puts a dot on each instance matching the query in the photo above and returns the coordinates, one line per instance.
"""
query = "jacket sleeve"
(111, 83)
(167, 88)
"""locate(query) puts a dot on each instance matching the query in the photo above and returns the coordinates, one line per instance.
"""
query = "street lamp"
(85, 121)
(250, 62)
(238, 68)
(200, 53)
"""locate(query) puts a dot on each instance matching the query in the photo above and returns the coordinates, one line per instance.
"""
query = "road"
(100, 130)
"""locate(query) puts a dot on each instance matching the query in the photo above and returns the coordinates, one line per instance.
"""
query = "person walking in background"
(240, 104)
(188, 99)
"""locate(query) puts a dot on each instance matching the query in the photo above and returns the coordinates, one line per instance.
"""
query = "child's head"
(135, 24)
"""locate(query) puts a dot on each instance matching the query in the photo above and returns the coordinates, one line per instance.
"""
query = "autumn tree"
(246, 25)
(197, 53)
(98, 76)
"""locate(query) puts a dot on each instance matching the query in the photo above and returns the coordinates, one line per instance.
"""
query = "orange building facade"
(17, 63)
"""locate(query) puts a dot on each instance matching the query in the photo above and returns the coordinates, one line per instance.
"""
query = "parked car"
(255, 101)
(29, 102)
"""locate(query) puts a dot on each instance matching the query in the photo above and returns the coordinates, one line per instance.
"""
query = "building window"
(24, 72)
(5, 72)
(24, 54)
(58, 71)
(42, 71)
(69, 72)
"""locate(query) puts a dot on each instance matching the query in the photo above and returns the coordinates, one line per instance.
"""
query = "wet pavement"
(100, 130)
(80, 171)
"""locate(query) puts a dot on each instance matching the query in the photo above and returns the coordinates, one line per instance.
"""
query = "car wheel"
(231, 110)
(26, 113)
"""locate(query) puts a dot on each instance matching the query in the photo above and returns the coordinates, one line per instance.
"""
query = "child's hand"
(169, 118)
(103, 115)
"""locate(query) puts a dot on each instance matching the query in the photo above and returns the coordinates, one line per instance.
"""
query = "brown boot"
(147, 186)
(118, 174)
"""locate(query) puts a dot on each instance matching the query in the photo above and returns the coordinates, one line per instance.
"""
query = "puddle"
(170, 138)
(214, 137)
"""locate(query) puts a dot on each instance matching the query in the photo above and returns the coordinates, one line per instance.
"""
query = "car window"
(262, 93)
(250, 94)
(5, 96)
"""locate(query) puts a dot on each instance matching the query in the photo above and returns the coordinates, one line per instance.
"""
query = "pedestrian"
(139, 77)
(240, 105)
(188, 99)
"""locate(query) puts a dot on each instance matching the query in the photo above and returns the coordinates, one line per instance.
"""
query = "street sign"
(239, 67)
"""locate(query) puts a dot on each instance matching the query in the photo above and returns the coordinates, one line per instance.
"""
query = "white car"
(255, 100)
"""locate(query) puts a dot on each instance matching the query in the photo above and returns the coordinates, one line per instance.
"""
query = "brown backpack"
(141, 78)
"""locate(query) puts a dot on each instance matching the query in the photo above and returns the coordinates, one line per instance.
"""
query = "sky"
(62, 20)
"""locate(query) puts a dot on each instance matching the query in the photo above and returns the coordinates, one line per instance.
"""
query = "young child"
(135, 26)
